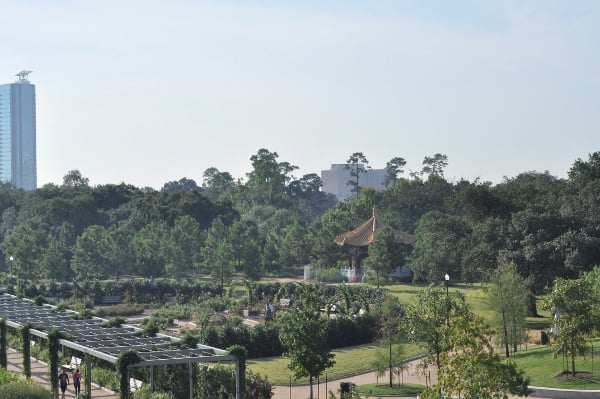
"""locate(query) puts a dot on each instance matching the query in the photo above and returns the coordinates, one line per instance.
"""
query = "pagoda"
(356, 242)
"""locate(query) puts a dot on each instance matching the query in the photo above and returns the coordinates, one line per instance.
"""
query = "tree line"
(271, 223)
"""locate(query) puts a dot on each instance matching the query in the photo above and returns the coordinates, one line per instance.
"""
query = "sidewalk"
(39, 372)
(321, 391)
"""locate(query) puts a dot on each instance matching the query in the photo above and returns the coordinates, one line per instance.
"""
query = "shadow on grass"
(395, 390)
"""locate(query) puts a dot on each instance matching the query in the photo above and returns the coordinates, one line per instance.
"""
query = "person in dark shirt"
(63, 381)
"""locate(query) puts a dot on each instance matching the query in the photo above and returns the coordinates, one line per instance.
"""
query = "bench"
(284, 302)
(111, 299)
(134, 384)
(75, 364)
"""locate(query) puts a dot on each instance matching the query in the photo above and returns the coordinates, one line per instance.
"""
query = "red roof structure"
(361, 236)
(357, 241)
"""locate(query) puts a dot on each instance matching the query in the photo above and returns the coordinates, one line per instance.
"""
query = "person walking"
(77, 382)
(63, 381)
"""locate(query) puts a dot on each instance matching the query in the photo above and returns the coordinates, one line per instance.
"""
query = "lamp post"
(10, 266)
(447, 280)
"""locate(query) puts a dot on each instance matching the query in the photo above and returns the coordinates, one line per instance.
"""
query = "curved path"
(412, 375)
(320, 391)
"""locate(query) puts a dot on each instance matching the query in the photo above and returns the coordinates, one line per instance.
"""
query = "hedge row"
(263, 340)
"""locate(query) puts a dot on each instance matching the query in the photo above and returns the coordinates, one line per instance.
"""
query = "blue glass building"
(18, 134)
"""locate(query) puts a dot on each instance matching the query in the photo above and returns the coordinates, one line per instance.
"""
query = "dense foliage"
(273, 224)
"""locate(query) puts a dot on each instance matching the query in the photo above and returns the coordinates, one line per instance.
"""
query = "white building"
(18, 133)
(335, 180)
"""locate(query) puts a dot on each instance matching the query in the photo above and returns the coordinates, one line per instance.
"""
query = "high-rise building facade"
(18, 133)
(335, 180)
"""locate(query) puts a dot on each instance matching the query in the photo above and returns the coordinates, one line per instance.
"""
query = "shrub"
(7, 376)
(24, 390)
(122, 309)
(331, 275)
(145, 393)
(105, 378)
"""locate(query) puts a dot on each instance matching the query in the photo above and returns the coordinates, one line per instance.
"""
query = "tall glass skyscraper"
(17, 133)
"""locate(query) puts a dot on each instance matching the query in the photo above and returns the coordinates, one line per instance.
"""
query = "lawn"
(543, 368)
(537, 361)
(348, 361)
(383, 389)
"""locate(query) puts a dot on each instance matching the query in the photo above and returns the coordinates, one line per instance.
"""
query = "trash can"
(344, 387)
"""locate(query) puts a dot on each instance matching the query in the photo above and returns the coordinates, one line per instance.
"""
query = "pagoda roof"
(363, 235)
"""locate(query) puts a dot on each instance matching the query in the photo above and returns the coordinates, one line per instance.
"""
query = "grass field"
(348, 361)
(538, 361)
(543, 368)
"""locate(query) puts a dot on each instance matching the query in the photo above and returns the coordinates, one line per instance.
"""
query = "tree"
(507, 297)
(392, 169)
(217, 253)
(391, 317)
(25, 245)
(380, 364)
(380, 259)
(576, 314)
(74, 178)
(243, 238)
(356, 164)
(183, 248)
(55, 263)
(304, 334)
(471, 368)
(90, 254)
(269, 177)
(295, 249)
(583, 172)
(183, 184)
(216, 183)
(434, 166)
(310, 201)
(148, 249)
(121, 260)
(427, 321)
(439, 246)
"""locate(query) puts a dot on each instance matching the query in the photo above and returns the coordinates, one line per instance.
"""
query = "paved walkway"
(39, 372)
(320, 391)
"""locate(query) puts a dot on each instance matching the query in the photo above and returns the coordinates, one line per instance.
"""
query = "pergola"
(94, 340)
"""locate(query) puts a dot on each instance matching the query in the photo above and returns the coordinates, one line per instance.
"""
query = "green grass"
(537, 361)
(383, 389)
(542, 367)
(348, 361)
(475, 295)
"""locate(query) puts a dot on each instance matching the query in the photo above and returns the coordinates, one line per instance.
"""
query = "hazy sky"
(146, 92)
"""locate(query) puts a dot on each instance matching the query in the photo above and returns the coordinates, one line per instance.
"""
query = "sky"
(147, 92)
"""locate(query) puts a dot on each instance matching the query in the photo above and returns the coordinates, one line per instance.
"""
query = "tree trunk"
(391, 365)
(505, 334)
(531, 305)
(573, 364)
(310, 381)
